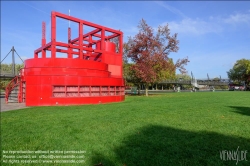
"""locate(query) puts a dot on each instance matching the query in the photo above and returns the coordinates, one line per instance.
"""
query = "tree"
(184, 76)
(216, 79)
(150, 52)
(7, 69)
(128, 74)
(240, 71)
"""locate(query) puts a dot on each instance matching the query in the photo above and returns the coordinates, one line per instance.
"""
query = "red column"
(43, 39)
(35, 55)
(102, 39)
(69, 43)
(121, 43)
(80, 40)
(102, 44)
(53, 35)
(121, 48)
(90, 45)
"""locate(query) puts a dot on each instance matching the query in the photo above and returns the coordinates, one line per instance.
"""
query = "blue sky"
(214, 35)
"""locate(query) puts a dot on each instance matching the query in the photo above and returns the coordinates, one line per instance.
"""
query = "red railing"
(13, 83)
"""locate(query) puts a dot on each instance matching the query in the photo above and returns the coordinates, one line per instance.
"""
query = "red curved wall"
(62, 81)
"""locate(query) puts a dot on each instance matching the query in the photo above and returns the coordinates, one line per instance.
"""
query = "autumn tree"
(150, 54)
(129, 75)
(240, 71)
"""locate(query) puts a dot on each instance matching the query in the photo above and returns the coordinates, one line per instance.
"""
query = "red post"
(121, 48)
(69, 43)
(80, 40)
(43, 39)
(121, 43)
(35, 55)
(53, 35)
(69, 34)
(90, 44)
(90, 40)
(20, 94)
(102, 39)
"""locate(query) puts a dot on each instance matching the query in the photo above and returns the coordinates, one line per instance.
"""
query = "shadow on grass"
(160, 146)
(241, 110)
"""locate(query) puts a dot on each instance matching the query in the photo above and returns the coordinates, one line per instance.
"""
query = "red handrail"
(12, 84)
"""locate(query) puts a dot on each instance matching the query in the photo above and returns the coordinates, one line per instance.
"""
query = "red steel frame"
(91, 73)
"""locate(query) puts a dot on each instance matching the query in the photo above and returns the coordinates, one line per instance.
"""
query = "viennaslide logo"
(234, 155)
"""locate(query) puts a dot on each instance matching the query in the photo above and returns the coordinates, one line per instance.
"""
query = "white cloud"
(197, 26)
(194, 27)
(238, 18)
(233, 19)
(188, 25)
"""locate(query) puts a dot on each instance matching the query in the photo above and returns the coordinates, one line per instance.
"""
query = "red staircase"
(14, 91)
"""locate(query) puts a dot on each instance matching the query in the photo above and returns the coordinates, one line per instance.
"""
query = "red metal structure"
(91, 73)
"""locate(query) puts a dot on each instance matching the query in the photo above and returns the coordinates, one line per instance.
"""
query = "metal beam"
(13, 61)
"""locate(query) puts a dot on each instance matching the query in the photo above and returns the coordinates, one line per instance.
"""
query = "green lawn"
(170, 129)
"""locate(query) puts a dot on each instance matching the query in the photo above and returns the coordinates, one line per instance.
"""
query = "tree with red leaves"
(150, 54)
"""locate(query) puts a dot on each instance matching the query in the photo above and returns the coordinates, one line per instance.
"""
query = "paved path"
(10, 106)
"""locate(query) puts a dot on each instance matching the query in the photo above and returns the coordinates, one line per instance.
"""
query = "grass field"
(171, 129)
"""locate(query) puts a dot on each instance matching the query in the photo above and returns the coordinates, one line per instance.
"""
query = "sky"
(212, 34)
